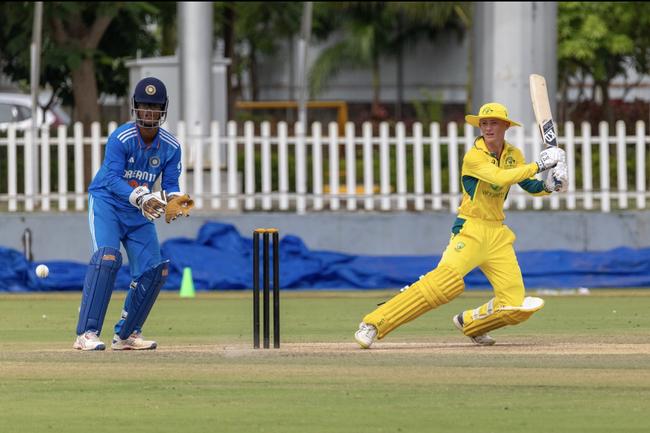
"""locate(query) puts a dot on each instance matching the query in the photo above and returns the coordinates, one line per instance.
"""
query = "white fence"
(325, 170)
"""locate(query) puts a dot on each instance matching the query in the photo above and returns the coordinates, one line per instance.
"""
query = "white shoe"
(134, 342)
(88, 341)
(481, 340)
(366, 335)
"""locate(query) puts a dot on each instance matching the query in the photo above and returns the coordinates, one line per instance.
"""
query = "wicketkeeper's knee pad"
(479, 324)
(98, 287)
(432, 290)
(141, 297)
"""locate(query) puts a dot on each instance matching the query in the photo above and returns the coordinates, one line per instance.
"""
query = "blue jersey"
(129, 163)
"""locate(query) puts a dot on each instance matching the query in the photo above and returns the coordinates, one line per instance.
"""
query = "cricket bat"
(542, 109)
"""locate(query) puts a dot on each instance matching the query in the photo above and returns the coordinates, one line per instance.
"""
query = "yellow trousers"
(488, 246)
(474, 243)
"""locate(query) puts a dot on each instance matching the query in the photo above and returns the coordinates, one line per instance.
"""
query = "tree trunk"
(607, 109)
(375, 109)
(86, 109)
(253, 73)
(84, 90)
(400, 71)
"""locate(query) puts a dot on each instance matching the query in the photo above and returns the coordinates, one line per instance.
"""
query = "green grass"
(581, 364)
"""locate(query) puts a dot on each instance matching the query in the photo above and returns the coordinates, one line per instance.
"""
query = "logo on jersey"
(150, 90)
(154, 161)
(510, 162)
(460, 246)
(139, 175)
(131, 160)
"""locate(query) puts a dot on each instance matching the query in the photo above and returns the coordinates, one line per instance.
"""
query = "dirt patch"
(559, 348)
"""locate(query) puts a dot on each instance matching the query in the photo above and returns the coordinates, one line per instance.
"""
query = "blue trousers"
(110, 226)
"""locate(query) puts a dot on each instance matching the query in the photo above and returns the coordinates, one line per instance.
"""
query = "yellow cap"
(491, 110)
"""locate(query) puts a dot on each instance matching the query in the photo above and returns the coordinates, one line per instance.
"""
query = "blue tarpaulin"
(220, 259)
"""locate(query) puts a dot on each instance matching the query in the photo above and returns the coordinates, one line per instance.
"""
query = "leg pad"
(434, 289)
(98, 287)
(479, 324)
(140, 299)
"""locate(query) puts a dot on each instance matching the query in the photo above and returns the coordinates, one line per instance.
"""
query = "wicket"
(256, 287)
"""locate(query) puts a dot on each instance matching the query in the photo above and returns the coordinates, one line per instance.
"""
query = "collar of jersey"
(480, 145)
(154, 144)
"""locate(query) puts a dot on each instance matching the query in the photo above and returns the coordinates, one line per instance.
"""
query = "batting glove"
(549, 157)
(557, 179)
(152, 205)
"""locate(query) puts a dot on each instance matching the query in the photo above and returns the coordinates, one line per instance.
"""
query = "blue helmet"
(149, 90)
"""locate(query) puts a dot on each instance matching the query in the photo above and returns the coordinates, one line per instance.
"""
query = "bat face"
(542, 109)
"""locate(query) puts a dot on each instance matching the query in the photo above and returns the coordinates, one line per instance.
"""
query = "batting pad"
(480, 323)
(141, 298)
(432, 290)
(98, 287)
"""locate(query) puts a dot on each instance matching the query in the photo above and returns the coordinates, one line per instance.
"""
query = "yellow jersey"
(486, 180)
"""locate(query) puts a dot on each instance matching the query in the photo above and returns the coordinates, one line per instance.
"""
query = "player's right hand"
(557, 179)
(151, 205)
(549, 157)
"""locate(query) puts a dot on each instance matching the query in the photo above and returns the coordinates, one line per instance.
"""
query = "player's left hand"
(558, 178)
(178, 205)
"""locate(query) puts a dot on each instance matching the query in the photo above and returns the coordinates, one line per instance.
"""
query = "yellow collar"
(480, 145)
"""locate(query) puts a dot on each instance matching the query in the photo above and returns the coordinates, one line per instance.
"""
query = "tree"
(371, 30)
(601, 41)
(84, 48)
(251, 30)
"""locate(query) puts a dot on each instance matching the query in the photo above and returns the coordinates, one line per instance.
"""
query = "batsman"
(479, 238)
(121, 209)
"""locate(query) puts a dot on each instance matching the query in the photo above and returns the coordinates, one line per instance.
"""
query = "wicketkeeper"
(479, 238)
(121, 208)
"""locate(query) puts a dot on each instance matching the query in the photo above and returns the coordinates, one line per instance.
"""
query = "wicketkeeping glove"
(177, 205)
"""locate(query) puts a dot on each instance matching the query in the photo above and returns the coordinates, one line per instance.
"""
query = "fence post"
(334, 165)
(45, 168)
(62, 155)
(283, 165)
(78, 166)
(621, 164)
(569, 132)
(368, 179)
(418, 167)
(266, 166)
(384, 166)
(436, 169)
(95, 147)
(232, 165)
(400, 132)
(197, 150)
(587, 182)
(317, 164)
(603, 138)
(215, 165)
(12, 162)
(112, 126)
(301, 163)
(28, 174)
(640, 164)
(454, 198)
(350, 167)
(185, 150)
(249, 165)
